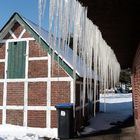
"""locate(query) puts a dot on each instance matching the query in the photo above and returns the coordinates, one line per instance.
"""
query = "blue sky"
(27, 8)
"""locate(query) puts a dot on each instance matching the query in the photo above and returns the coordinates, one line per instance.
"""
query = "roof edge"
(15, 13)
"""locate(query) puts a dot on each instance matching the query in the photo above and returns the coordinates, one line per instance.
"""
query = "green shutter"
(16, 59)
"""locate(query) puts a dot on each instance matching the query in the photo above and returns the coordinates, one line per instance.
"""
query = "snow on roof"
(67, 57)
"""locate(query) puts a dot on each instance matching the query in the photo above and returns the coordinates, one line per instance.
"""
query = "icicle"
(51, 20)
(76, 33)
(56, 7)
(59, 29)
(84, 59)
(41, 9)
(88, 44)
(95, 47)
(41, 13)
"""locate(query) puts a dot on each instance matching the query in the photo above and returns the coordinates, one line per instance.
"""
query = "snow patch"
(12, 132)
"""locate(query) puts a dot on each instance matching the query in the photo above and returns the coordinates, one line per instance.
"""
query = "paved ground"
(125, 134)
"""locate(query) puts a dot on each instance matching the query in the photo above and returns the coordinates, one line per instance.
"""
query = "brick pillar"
(136, 91)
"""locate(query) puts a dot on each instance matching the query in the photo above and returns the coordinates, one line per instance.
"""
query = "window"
(16, 60)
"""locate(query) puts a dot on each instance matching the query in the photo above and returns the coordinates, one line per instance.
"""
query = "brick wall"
(57, 70)
(2, 70)
(15, 93)
(136, 91)
(2, 56)
(54, 119)
(37, 118)
(17, 29)
(60, 92)
(8, 36)
(2, 50)
(26, 34)
(35, 50)
(1, 94)
(38, 68)
(37, 94)
(11, 117)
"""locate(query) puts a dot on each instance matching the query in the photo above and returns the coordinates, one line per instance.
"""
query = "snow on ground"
(12, 132)
(118, 108)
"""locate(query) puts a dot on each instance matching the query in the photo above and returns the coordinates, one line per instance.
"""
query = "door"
(16, 60)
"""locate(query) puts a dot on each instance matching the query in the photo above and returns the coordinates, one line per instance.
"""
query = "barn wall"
(31, 101)
(81, 118)
(136, 91)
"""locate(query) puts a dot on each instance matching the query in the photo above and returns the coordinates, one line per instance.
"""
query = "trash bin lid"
(64, 106)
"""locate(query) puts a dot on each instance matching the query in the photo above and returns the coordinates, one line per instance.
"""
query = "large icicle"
(41, 13)
(97, 59)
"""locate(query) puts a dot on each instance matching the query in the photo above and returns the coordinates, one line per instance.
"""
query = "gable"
(16, 31)
(34, 32)
(8, 36)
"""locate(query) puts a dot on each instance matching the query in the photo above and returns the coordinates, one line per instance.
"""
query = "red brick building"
(136, 91)
(31, 82)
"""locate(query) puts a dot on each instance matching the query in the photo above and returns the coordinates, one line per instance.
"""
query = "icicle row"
(88, 43)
